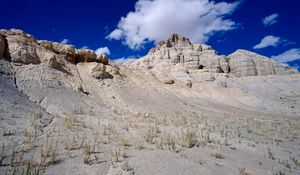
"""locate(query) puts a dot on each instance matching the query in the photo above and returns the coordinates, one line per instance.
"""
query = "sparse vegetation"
(126, 166)
(242, 171)
(74, 143)
(125, 142)
(108, 130)
(171, 142)
(69, 122)
(2, 154)
(115, 154)
(49, 152)
(295, 161)
(217, 155)
(150, 135)
(189, 138)
(86, 153)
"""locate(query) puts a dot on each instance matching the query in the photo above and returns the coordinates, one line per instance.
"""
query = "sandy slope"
(133, 123)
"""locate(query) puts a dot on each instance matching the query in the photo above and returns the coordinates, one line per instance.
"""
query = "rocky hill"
(181, 109)
(179, 59)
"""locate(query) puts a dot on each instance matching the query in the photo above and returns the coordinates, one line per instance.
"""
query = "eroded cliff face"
(54, 93)
(177, 59)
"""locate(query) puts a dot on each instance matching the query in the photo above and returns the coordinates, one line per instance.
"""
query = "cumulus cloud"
(288, 56)
(65, 41)
(270, 20)
(267, 41)
(156, 20)
(102, 51)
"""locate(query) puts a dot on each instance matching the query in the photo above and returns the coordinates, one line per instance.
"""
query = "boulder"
(168, 81)
(188, 83)
(162, 76)
(99, 72)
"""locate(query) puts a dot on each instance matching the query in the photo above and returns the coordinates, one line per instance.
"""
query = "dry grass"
(86, 153)
(126, 166)
(2, 154)
(171, 142)
(125, 142)
(69, 122)
(189, 138)
(115, 155)
(242, 171)
(73, 144)
(29, 137)
(217, 155)
(49, 152)
(150, 134)
(108, 130)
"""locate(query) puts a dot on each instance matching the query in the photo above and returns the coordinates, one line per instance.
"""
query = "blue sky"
(227, 25)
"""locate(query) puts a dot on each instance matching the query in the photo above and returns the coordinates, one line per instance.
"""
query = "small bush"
(217, 155)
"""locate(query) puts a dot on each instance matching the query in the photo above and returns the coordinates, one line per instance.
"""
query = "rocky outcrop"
(23, 48)
(179, 50)
(245, 63)
(175, 60)
(67, 51)
(183, 61)
(86, 55)
(180, 60)
(103, 59)
(99, 71)
(2, 45)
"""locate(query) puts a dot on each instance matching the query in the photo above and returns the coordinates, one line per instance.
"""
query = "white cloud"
(288, 56)
(267, 41)
(65, 41)
(270, 20)
(102, 51)
(156, 20)
(116, 34)
(85, 47)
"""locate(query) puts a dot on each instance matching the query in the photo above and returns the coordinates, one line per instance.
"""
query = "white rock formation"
(246, 63)
(180, 60)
